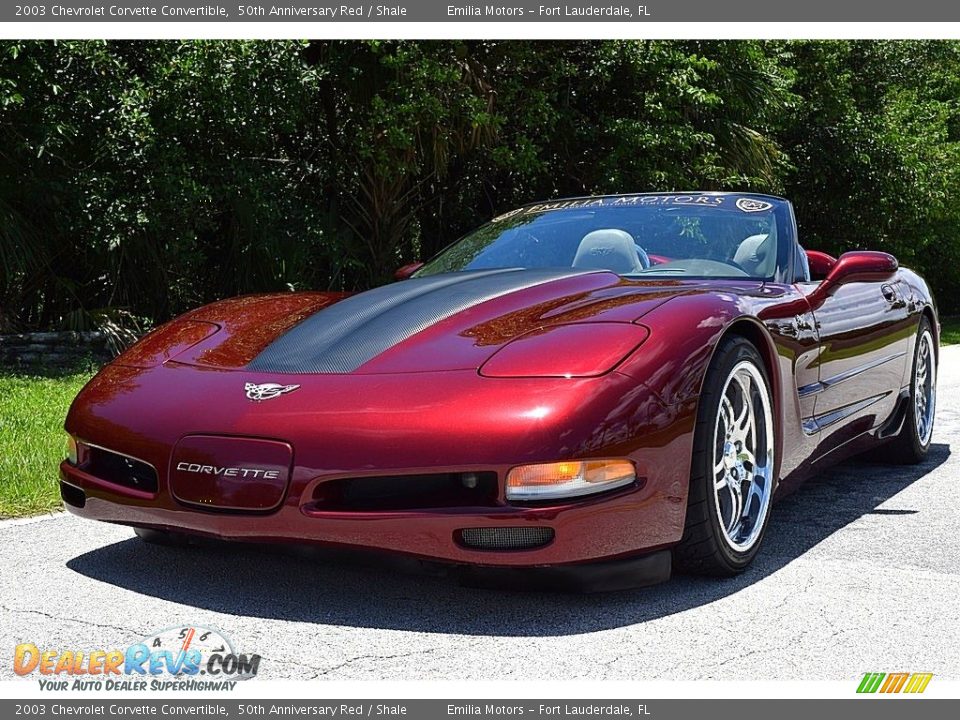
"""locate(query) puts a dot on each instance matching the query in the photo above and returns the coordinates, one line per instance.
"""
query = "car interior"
(617, 250)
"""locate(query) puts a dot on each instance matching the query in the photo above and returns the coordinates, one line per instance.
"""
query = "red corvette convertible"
(598, 387)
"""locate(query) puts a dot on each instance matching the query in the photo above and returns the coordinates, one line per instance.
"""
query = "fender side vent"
(505, 538)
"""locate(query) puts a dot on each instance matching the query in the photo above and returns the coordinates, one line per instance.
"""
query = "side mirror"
(407, 270)
(857, 266)
(820, 264)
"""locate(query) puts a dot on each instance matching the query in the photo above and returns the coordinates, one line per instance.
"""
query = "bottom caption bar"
(744, 709)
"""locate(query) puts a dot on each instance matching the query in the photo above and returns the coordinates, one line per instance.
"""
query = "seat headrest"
(755, 255)
(608, 249)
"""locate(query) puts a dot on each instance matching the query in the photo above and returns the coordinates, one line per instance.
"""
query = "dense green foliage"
(138, 179)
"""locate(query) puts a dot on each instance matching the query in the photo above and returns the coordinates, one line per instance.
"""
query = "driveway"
(859, 572)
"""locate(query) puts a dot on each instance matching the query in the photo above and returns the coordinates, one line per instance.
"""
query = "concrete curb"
(10, 522)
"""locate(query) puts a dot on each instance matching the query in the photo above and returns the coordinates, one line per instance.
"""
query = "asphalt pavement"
(859, 572)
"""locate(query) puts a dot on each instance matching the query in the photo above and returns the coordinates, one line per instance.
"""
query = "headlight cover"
(578, 350)
(550, 481)
(166, 342)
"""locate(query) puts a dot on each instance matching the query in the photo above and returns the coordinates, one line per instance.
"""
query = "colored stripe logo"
(913, 683)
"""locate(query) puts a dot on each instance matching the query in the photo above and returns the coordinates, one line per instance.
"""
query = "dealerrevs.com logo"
(189, 657)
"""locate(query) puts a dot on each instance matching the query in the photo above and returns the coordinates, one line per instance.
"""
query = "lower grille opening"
(408, 492)
(120, 470)
(505, 538)
(73, 496)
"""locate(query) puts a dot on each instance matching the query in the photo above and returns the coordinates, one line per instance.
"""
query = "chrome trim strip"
(818, 387)
(64, 481)
(811, 389)
(837, 379)
(820, 422)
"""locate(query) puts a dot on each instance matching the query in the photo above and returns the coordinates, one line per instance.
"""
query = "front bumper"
(620, 524)
(354, 426)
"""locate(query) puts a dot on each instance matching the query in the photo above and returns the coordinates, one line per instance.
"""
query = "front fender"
(684, 335)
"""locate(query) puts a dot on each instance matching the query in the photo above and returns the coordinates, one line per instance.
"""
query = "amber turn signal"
(72, 452)
(568, 479)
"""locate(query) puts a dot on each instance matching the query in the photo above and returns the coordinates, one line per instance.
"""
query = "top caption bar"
(648, 11)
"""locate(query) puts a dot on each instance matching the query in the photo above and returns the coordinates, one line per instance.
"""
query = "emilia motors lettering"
(542, 710)
(574, 11)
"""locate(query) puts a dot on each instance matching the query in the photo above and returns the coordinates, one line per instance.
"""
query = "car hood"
(444, 322)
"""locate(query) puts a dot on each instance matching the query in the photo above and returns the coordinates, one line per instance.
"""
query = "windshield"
(718, 236)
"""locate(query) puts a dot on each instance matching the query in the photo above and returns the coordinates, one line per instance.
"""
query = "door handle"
(891, 295)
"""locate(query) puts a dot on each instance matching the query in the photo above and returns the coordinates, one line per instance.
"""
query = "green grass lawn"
(950, 330)
(32, 440)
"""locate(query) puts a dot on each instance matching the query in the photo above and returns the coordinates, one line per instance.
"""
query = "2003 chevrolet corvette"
(599, 387)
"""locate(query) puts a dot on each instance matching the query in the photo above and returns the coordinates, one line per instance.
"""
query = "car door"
(864, 330)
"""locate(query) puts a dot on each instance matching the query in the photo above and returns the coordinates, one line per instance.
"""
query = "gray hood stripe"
(344, 336)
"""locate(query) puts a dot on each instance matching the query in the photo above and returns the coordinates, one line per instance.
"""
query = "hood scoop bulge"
(344, 336)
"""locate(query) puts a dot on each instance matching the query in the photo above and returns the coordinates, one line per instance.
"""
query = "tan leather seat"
(608, 249)
(756, 254)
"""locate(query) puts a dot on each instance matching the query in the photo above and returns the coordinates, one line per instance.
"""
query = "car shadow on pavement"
(357, 590)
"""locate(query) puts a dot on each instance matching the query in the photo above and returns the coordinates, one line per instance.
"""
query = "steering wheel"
(738, 266)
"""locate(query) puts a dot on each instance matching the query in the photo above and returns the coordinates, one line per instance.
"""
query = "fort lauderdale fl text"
(621, 11)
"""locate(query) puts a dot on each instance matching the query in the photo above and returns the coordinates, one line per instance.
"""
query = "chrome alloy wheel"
(743, 456)
(925, 388)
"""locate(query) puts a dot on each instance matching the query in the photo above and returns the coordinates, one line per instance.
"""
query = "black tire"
(907, 447)
(165, 538)
(704, 549)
